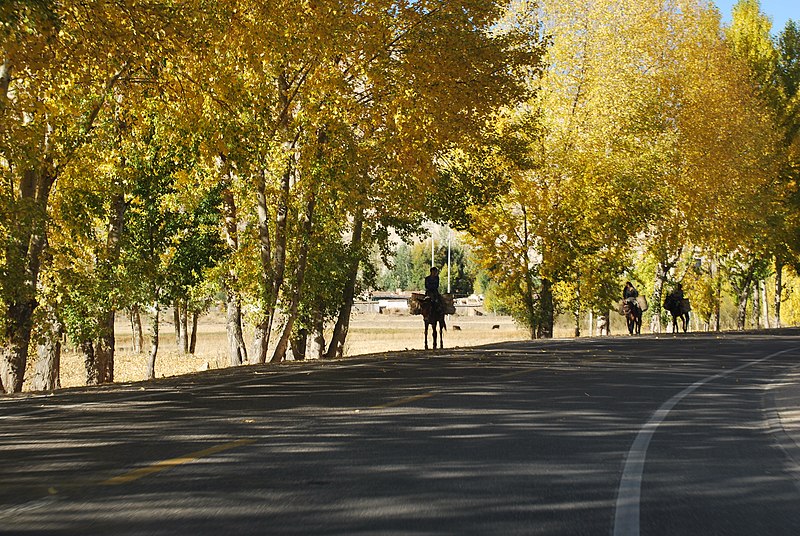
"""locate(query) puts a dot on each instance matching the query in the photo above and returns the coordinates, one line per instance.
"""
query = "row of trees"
(659, 146)
(156, 152)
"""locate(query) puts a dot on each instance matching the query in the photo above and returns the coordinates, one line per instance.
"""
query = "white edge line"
(626, 513)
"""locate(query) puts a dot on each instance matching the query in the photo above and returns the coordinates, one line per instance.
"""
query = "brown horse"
(633, 316)
(433, 314)
(678, 308)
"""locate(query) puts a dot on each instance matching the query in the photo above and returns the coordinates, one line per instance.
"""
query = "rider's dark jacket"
(432, 285)
(629, 292)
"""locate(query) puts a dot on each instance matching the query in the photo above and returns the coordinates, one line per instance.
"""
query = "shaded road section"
(518, 438)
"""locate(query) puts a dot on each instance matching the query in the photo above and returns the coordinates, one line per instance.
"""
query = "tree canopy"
(159, 154)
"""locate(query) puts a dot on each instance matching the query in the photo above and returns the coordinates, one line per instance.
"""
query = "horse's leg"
(441, 335)
(426, 335)
(685, 322)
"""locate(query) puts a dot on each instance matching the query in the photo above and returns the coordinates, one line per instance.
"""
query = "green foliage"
(788, 62)
(750, 38)
(169, 250)
(399, 272)
(411, 264)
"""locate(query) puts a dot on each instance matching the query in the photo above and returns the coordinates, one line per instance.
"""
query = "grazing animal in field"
(456, 328)
(496, 326)
(433, 314)
(633, 316)
(678, 307)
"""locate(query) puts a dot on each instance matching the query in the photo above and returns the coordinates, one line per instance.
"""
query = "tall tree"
(787, 248)
(634, 138)
(61, 64)
(749, 37)
(394, 83)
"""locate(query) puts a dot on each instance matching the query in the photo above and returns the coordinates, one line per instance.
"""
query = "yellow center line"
(403, 401)
(167, 464)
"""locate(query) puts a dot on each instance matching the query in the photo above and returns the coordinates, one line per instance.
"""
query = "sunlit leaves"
(635, 147)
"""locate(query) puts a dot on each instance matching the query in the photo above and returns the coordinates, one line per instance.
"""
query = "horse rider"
(678, 293)
(432, 287)
(629, 294)
(629, 291)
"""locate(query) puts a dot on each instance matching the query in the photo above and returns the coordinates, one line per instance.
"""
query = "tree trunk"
(89, 361)
(193, 338)
(273, 261)
(14, 353)
(106, 344)
(261, 341)
(183, 319)
(23, 262)
(104, 350)
(529, 290)
(151, 362)
(281, 221)
(339, 336)
(136, 329)
(742, 295)
(263, 327)
(529, 299)
(299, 344)
(756, 312)
(176, 321)
(763, 304)
(778, 292)
(47, 373)
(282, 211)
(548, 310)
(237, 351)
(658, 295)
(741, 311)
(302, 261)
(233, 325)
(316, 344)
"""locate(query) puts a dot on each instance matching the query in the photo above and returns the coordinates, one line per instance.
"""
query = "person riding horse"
(631, 308)
(677, 294)
(629, 294)
(678, 306)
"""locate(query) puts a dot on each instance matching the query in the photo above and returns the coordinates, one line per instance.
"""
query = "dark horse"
(433, 314)
(678, 308)
(633, 316)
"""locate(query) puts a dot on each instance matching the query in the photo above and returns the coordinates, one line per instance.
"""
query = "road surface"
(691, 434)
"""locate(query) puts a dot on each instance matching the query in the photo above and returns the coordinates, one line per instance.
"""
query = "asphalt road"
(615, 436)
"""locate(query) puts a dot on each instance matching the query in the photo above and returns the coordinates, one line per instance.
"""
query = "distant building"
(383, 302)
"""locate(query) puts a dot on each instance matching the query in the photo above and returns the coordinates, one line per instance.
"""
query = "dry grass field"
(369, 333)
